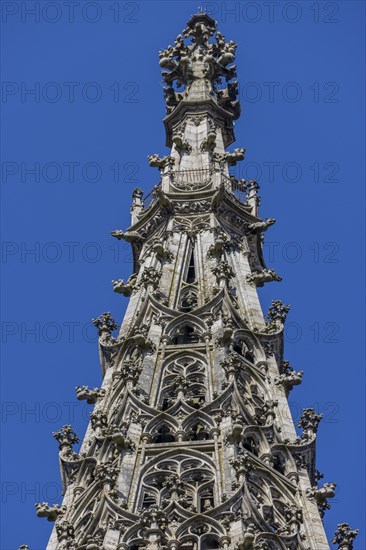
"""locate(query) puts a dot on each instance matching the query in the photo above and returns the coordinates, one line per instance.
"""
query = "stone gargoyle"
(49, 512)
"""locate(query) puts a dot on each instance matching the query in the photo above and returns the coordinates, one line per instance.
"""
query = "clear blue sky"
(95, 115)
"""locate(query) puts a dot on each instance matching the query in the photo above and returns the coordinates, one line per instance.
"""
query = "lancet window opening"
(186, 376)
(188, 292)
(187, 478)
(186, 334)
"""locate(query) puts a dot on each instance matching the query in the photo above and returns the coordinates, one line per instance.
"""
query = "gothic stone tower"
(191, 444)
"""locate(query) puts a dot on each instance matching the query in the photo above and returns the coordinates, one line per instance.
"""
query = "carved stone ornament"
(230, 158)
(288, 381)
(268, 412)
(153, 518)
(161, 162)
(66, 437)
(125, 288)
(90, 396)
(294, 518)
(199, 67)
(105, 325)
(247, 539)
(258, 278)
(321, 495)
(232, 365)
(140, 336)
(223, 271)
(309, 421)
(65, 531)
(106, 472)
(217, 249)
(49, 512)
(150, 277)
(130, 371)
(129, 236)
(344, 536)
(260, 227)
(278, 311)
(209, 143)
(192, 207)
(175, 486)
(98, 420)
(161, 252)
(242, 464)
(227, 332)
(181, 145)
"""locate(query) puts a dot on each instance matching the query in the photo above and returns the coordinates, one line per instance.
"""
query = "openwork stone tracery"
(191, 445)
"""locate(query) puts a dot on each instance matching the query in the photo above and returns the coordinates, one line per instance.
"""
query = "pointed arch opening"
(163, 435)
(251, 445)
(183, 376)
(186, 334)
(197, 431)
(190, 275)
(188, 478)
(244, 349)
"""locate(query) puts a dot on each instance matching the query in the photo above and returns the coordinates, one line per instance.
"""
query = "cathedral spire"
(191, 444)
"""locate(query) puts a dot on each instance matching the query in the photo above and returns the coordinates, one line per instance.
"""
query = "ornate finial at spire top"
(197, 65)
